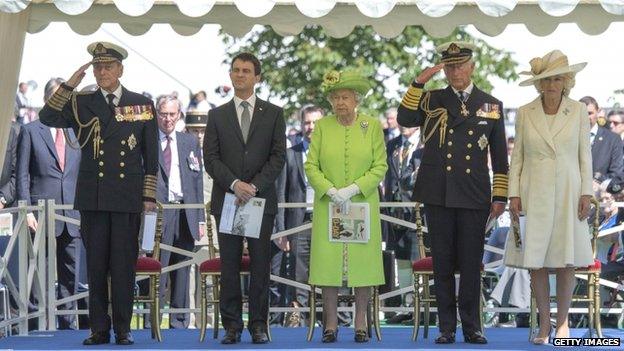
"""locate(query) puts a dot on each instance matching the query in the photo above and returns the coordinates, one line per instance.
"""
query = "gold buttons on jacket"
(101, 152)
(122, 153)
(101, 141)
(451, 131)
(101, 163)
(468, 170)
(468, 157)
(121, 176)
(449, 155)
(469, 145)
(123, 142)
(122, 164)
(448, 168)
(470, 132)
(101, 174)
(450, 143)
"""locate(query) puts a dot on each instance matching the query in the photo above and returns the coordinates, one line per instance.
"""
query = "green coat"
(340, 156)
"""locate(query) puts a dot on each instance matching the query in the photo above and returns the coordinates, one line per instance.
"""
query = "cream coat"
(550, 170)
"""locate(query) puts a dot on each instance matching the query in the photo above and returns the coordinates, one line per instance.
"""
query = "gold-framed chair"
(151, 267)
(211, 268)
(592, 297)
(372, 313)
(423, 272)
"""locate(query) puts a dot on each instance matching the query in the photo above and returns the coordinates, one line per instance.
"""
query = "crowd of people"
(114, 153)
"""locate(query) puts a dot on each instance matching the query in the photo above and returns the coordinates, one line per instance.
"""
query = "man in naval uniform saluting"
(460, 124)
(116, 182)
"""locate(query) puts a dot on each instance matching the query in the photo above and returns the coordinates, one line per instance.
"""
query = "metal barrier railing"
(33, 266)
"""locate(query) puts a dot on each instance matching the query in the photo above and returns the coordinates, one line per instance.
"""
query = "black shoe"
(475, 338)
(360, 335)
(330, 335)
(232, 336)
(97, 338)
(445, 338)
(124, 339)
(259, 335)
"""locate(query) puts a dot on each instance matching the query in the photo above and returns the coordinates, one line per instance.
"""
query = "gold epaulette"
(149, 186)
(499, 186)
(412, 98)
(59, 99)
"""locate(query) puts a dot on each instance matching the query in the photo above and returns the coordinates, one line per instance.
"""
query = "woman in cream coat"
(550, 183)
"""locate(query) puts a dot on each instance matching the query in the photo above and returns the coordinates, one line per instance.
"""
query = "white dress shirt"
(592, 133)
(175, 181)
(117, 94)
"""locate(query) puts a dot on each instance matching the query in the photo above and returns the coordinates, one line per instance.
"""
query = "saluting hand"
(76, 78)
(428, 72)
(584, 207)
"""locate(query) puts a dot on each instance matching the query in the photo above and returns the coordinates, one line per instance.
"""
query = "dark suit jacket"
(607, 158)
(122, 174)
(7, 178)
(191, 177)
(259, 161)
(399, 182)
(454, 168)
(39, 176)
(294, 185)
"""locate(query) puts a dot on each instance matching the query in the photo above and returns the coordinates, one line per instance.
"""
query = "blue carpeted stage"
(288, 339)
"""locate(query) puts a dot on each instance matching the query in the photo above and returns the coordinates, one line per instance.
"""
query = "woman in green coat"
(345, 164)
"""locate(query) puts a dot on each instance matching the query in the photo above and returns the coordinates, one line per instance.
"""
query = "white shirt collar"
(594, 129)
(468, 90)
(251, 100)
(117, 93)
(161, 135)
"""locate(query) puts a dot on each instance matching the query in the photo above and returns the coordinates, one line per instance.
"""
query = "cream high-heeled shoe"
(545, 340)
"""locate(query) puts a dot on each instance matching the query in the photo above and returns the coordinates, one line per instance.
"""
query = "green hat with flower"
(347, 79)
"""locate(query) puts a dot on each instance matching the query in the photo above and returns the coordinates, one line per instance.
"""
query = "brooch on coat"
(132, 142)
(193, 162)
(364, 126)
(483, 142)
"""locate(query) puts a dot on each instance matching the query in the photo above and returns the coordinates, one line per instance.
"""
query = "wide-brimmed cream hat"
(552, 64)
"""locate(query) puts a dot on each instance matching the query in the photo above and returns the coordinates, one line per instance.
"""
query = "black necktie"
(111, 103)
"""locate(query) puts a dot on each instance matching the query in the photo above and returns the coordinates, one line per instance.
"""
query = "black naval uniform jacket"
(119, 162)
(454, 167)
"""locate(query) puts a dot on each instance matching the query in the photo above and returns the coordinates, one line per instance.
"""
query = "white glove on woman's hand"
(347, 193)
(332, 194)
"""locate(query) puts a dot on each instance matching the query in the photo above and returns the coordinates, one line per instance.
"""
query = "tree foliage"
(293, 67)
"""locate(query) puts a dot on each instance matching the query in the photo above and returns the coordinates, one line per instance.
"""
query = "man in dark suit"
(460, 125)
(297, 189)
(7, 177)
(606, 146)
(116, 181)
(244, 153)
(180, 181)
(403, 157)
(47, 169)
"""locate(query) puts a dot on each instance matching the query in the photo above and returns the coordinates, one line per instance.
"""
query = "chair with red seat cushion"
(592, 297)
(422, 270)
(151, 268)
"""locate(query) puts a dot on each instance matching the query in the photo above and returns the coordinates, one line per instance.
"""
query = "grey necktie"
(245, 119)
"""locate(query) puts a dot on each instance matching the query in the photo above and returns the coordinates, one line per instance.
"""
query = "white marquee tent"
(287, 17)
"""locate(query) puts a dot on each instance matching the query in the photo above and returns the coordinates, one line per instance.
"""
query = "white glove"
(332, 194)
(347, 193)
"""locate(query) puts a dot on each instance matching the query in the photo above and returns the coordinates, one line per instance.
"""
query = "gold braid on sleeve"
(94, 129)
(440, 115)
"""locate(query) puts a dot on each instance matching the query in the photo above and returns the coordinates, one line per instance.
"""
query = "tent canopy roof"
(338, 17)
